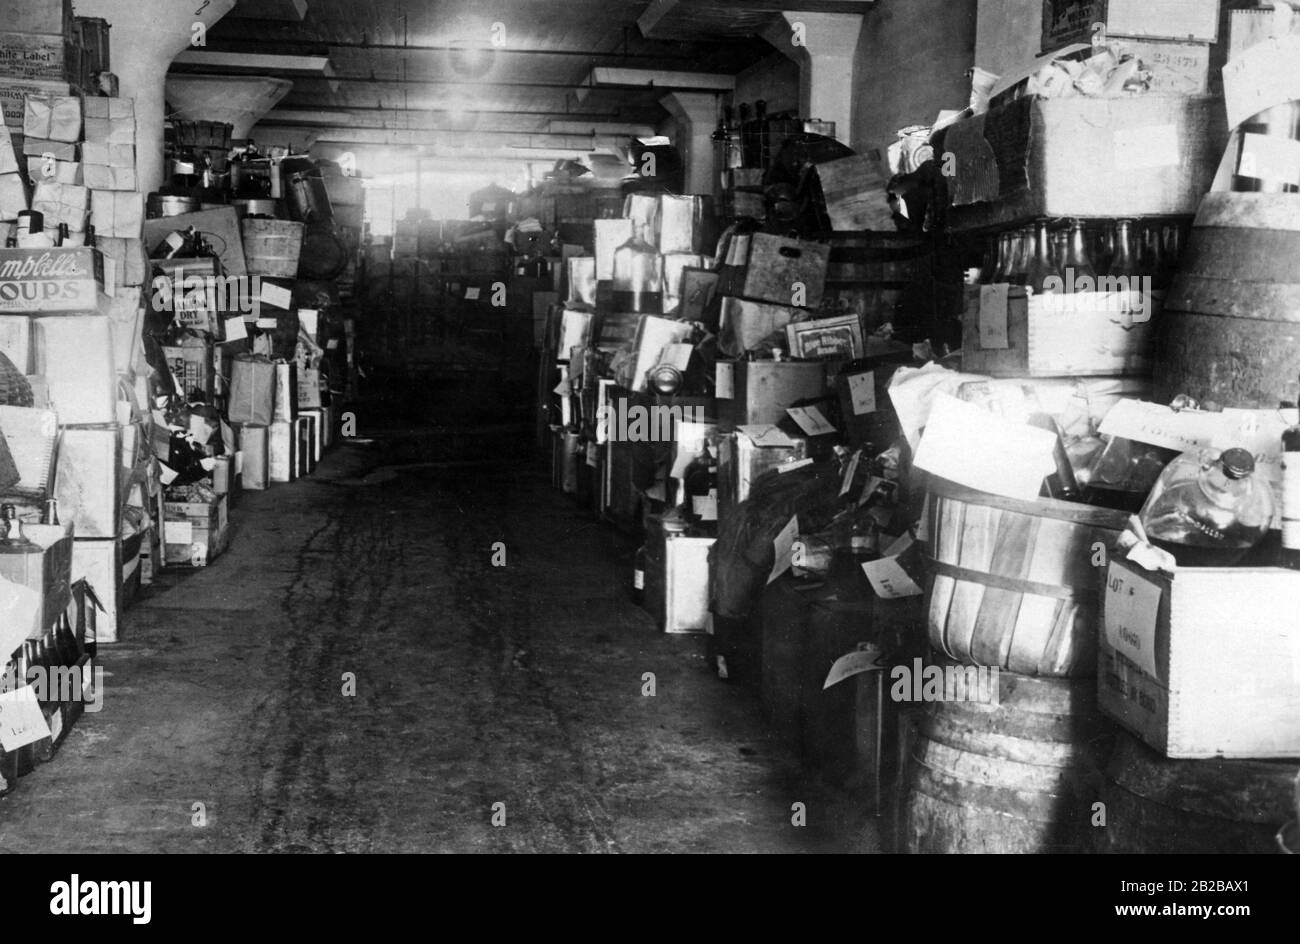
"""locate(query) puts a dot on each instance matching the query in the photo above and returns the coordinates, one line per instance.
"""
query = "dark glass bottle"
(701, 487)
(63, 236)
(1040, 264)
(90, 236)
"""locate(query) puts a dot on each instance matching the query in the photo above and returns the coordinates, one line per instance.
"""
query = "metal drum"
(163, 205)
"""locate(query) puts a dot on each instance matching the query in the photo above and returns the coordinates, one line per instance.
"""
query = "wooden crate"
(1216, 672)
(781, 271)
(1079, 335)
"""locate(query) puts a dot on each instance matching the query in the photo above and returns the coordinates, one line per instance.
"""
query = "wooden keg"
(1016, 777)
(272, 247)
(1230, 331)
(1157, 805)
(1015, 584)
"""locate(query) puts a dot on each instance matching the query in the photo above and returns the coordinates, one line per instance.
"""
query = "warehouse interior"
(650, 426)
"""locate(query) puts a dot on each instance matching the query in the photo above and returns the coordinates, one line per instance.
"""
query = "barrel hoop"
(1013, 584)
(1250, 211)
(1229, 298)
(1041, 507)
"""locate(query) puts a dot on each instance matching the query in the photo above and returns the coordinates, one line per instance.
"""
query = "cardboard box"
(744, 325)
(110, 130)
(130, 261)
(8, 153)
(319, 421)
(303, 426)
(610, 234)
(39, 16)
(13, 95)
(48, 573)
(252, 462)
(1205, 663)
(53, 117)
(114, 108)
(117, 214)
(16, 341)
(126, 315)
(25, 57)
(61, 203)
(1070, 21)
(308, 389)
(748, 453)
(192, 367)
(677, 581)
(100, 563)
(75, 356)
(282, 451)
(40, 147)
(194, 533)
(13, 200)
(777, 270)
(1086, 334)
(108, 155)
(60, 172)
(51, 281)
(1149, 155)
(1249, 27)
(101, 177)
(88, 480)
(764, 390)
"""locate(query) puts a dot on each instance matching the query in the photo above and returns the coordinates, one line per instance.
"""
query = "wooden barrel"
(323, 255)
(272, 247)
(1157, 805)
(1230, 331)
(1016, 777)
(1014, 584)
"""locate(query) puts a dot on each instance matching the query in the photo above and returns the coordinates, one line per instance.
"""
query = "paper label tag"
(267, 324)
(21, 720)
(850, 472)
(472, 293)
(705, 507)
(855, 663)
(638, 579)
(166, 473)
(236, 329)
(277, 296)
(1144, 148)
(783, 545)
(1261, 77)
(1269, 157)
(724, 374)
(993, 317)
(889, 579)
(970, 446)
(1131, 608)
(862, 393)
(811, 420)
(309, 320)
(1160, 426)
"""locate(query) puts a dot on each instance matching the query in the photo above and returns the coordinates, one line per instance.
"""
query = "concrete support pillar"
(146, 35)
(237, 100)
(697, 113)
(824, 45)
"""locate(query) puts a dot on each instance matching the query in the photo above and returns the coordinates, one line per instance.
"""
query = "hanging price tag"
(1131, 608)
(993, 317)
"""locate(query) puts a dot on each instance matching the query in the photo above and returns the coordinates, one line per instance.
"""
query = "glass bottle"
(638, 275)
(12, 539)
(638, 576)
(1061, 484)
(1123, 473)
(864, 539)
(1040, 265)
(700, 483)
(1018, 267)
(1209, 509)
(1003, 259)
(1125, 262)
(990, 264)
(63, 235)
(1076, 263)
(1104, 243)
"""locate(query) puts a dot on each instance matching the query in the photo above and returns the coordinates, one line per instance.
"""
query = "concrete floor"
(475, 685)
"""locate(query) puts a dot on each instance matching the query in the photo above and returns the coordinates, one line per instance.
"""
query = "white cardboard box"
(1212, 668)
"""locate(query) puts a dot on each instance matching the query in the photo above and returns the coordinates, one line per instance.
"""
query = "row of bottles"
(741, 140)
(1033, 255)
